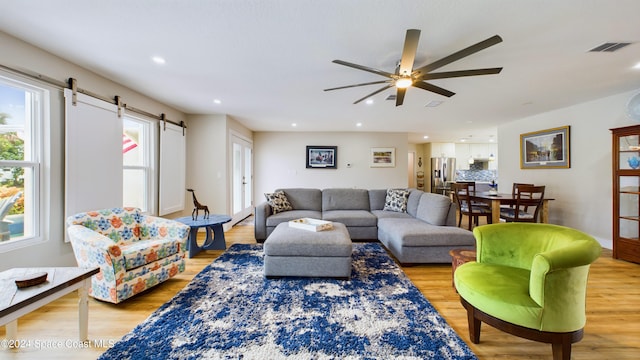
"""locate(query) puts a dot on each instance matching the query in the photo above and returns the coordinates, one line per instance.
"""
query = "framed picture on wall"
(545, 149)
(383, 157)
(322, 157)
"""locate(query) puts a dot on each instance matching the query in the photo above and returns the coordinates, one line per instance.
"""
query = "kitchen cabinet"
(443, 150)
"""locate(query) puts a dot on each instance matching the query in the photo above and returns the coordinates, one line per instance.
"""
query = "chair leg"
(561, 347)
(560, 342)
(474, 325)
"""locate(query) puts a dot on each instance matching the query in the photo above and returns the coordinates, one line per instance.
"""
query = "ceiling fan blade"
(363, 68)
(461, 73)
(400, 96)
(356, 85)
(433, 88)
(409, 52)
(460, 54)
(373, 93)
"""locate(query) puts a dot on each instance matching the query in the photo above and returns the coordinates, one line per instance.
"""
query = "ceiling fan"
(405, 75)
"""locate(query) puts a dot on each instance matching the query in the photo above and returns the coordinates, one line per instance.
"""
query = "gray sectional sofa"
(423, 234)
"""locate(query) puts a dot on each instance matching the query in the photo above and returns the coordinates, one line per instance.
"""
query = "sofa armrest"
(262, 212)
(452, 219)
(166, 229)
(94, 249)
(558, 268)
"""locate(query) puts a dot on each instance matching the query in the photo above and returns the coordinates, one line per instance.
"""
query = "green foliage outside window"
(12, 148)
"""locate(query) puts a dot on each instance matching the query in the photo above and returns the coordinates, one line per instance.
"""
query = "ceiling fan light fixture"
(406, 75)
(404, 82)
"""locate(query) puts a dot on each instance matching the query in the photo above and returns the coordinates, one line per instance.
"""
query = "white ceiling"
(269, 61)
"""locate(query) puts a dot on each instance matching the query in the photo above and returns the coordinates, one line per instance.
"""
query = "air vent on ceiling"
(434, 103)
(391, 97)
(610, 47)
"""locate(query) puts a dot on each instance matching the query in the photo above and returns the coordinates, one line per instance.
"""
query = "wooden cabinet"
(443, 150)
(626, 193)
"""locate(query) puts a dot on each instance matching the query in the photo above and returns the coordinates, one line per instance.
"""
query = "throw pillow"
(278, 202)
(396, 200)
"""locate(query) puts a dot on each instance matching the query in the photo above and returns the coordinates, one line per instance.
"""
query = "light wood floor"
(612, 331)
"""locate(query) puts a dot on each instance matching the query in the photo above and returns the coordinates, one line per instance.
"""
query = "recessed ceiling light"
(425, 137)
(463, 140)
(294, 124)
(369, 101)
(637, 66)
(217, 101)
(158, 60)
(359, 124)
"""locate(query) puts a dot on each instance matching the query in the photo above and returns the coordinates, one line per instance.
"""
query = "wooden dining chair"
(472, 190)
(465, 207)
(514, 192)
(528, 204)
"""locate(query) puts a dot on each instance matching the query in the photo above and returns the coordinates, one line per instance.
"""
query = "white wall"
(583, 192)
(208, 162)
(279, 161)
(20, 55)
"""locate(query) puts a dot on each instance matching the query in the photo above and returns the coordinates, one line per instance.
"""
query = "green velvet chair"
(529, 280)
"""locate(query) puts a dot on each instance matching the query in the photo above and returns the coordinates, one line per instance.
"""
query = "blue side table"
(215, 233)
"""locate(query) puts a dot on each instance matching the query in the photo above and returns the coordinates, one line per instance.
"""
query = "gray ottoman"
(296, 252)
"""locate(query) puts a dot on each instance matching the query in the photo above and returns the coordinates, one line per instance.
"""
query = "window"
(22, 112)
(138, 159)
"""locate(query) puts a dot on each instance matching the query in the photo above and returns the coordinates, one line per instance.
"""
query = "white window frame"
(149, 161)
(38, 163)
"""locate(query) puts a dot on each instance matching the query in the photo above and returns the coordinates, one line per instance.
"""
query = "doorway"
(242, 178)
(411, 175)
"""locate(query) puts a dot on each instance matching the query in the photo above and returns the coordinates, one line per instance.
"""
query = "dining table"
(506, 199)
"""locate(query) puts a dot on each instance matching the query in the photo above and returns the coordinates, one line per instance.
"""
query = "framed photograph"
(545, 149)
(383, 157)
(322, 157)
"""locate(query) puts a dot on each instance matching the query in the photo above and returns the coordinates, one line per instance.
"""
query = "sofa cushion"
(433, 208)
(278, 201)
(345, 199)
(147, 251)
(481, 282)
(413, 232)
(274, 220)
(351, 217)
(413, 201)
(377, 198)
(396, 200)
(304, 199)
(390, 214)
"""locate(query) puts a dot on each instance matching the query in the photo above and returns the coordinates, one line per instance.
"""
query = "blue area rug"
(230, 311)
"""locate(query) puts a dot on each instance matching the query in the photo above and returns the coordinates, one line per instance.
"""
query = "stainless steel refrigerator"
(443, 171)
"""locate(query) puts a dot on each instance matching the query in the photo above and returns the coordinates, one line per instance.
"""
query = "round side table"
(459, 257)
(215, 233)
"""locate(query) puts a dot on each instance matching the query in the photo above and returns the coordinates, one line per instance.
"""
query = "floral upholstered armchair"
(134, 251)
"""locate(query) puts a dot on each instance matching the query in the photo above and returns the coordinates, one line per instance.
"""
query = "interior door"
(242, 181)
